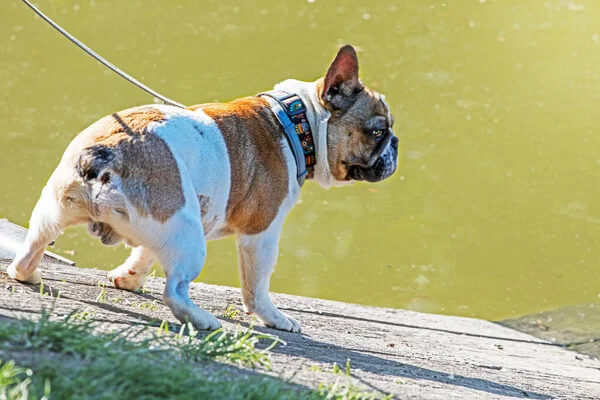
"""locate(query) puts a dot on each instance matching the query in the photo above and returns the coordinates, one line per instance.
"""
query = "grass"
(84, 315)
(14, 381)
(231, 312)
(348, 392)
(46, 292)
(238, 347)
(72, 358)
(101, 298)
(148, 280)
(77, 335)
(145, 305)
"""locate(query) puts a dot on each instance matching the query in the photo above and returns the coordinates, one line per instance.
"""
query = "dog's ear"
(341, 82)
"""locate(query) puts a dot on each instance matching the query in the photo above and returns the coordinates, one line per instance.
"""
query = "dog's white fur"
(179, 244)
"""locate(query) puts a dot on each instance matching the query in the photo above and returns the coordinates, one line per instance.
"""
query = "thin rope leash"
(101, 59)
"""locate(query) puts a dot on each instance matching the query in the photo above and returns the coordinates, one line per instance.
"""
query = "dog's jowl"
(165, 180)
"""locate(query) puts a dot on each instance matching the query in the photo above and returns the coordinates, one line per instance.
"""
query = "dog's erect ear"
(341, 81)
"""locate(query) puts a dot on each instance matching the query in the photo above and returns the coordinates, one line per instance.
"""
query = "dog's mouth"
(382, 169)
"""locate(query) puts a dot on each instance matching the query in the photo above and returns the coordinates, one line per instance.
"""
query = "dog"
(165, 180)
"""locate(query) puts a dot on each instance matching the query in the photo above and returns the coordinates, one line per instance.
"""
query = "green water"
(495, 211)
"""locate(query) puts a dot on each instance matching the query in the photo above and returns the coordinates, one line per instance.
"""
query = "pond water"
(495, 211)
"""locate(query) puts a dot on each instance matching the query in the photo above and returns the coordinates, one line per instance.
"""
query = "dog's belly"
(199, 148)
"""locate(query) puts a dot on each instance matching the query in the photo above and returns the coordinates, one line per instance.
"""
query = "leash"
(101, 59)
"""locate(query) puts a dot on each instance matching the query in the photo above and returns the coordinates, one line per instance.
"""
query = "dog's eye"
(378, 133)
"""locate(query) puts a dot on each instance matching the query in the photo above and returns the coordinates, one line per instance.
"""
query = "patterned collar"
(291, 113)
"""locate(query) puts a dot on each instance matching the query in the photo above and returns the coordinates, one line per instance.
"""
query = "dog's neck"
(318, 117)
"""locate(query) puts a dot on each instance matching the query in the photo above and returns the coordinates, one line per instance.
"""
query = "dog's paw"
(33, 278)
(123, 278)
(204, 321)
(283, 323)
(271, 316)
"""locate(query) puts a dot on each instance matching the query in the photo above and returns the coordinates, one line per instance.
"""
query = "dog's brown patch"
(130, 272)
(125, 124)
(122, 143)
(259, 176)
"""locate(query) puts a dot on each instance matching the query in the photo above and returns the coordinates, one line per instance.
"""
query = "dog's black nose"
(395, 142)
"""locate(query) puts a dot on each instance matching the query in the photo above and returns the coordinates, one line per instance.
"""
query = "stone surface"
(576, 327)
(405, 353)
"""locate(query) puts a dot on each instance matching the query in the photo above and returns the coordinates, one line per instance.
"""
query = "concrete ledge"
(408, 354)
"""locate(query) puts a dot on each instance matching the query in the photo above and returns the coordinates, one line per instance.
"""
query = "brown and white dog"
(165, 180)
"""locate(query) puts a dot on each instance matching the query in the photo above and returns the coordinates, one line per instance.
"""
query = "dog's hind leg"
(182, 255)
(130, 275)
(44, 226)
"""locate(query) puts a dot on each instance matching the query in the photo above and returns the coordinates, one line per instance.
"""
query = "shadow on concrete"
(315, 350)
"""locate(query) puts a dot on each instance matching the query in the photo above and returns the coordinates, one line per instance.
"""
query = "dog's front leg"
(257, 257)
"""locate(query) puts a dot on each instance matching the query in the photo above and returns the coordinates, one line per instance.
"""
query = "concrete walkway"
(408, 354)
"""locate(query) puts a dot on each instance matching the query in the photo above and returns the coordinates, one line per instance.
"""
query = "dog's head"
(360, 142)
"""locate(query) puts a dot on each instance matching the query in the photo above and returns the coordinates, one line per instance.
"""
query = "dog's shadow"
(323, 352)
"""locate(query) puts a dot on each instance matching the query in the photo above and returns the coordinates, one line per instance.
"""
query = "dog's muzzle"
(381, 169)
